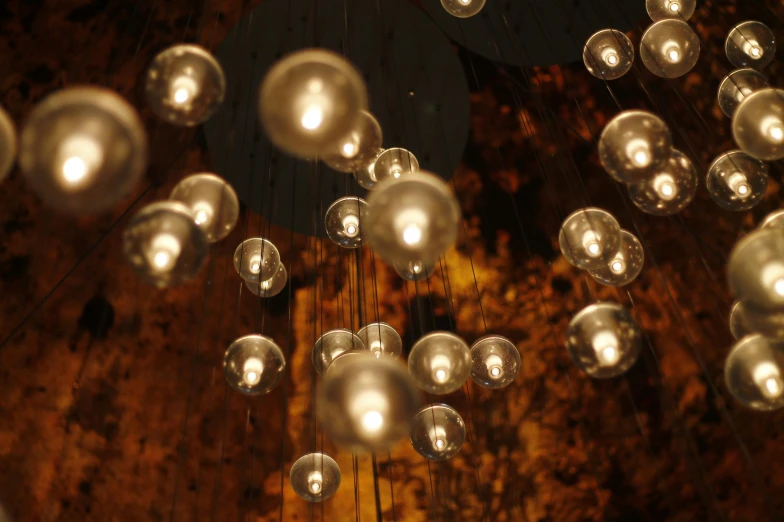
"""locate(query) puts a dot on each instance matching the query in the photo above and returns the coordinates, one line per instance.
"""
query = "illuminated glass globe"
(753, 373)
(358, 149)
(8, 145)
(437, 432)
(414, 270)
(736, 86)
(83, 149)
(633, 145)
(333, 343)
(495, 362)
(625, 266)
(185, 85)
(315, 477)
(773, 220)
(750, 44)
(381, 339)
(608, 54)
(738, 327)
(666, 9)
(755, 270)
(758, 124)
(256, 259)
(393, 163)
(164, 245)
(253, 364)
(310, 100)
(589, 238)
(736, 181)
(603, 340)
(345, 222)
(367, 403)
(669, 190)
(440, 362)
(463, 8)
(669, 48)
(212, 201)
(270, 287)
(414, 218)
(366, 176)
(763, 322)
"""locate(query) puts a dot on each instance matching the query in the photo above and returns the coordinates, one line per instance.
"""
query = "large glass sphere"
(310, 100)
(669, 48)
(8, 145)
(212, 201)
(755, 270)
(393, 163)
(736, 86)
(358, 149)
(414, 270)
(633, 145)
(750, 44)
(256, 259)
(603, 340)
(738, 327)
(669, 190)
(773, 220)
(185, 85)
(83, 149)
(332, 344)
(463, 8)
(753, 372)
(270, 287)
(736, 181)
(345, 222)
(608, 54)
(763, 322)
(437, 432)
(367, 403)
(440, 362)
(366, 176)
(589, 238)
(381, 339)
(758, 124)
(625, 265)
(164, 245)
(315, 477)
(414, 218)
(495, 362)
(253, 364)
(665, 9)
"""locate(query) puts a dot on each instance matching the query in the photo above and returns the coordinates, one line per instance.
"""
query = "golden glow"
(312, 118)
(164, 250)
(439, 444)
(372, 421)
(674, 55)
(183, 89)
(674, 7)
(412, 234)
(617, 266)
(74, 169)
(605, 344)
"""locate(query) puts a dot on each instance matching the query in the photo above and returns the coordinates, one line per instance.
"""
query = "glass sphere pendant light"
(437, 432)
(755, 270)
(345, 222)
(736, 86)
(633, 145)
(736, 181)
(753, 373)
(669, 48)
(270, 287)
(758, 124)
(8, 143)
(589, 238)
(666, 9)
(381, 339)
(669, 190)
(253, 364)
(463, 8)
(440, 362)
(750, 44)
(625, 265)
(357, 149)
(332, 344)
(256, 259)
(495, 362)
(393, 163)
(608, 54)
(212, 201)
(315, 477)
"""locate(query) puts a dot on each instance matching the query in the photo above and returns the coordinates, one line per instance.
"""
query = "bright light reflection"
(372, 421)
(312, 118)
(412, 234)
(74, 169)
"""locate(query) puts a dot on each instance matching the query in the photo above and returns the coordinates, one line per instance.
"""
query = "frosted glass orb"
(253, 364)
(333, 343)
(603, 340)
(773, 220)
(763, 322)
(83, 149)
(625, 265)
(256, 259)
(414, 270)
(212, 201)
(736, 86)
(185, 85)
(366, 176)
(669, 190)
(440, 362)
(8, 145)
(666, 9)
(270, 287)
(758, 124)
(310, 100)
(750, 44)
(495, 362)
(634, 145)
(345, 222)
(753, 373)
(164, 245)
(414, 218)
(315, 477)
(437, 432)
(669, 48)
(608, 54)
(755, 270)
(358, 149)
(738, 327)
(463, 8)
(393, 163)
(589, 238)
(736, 181)
(381, 339)
(367, 403)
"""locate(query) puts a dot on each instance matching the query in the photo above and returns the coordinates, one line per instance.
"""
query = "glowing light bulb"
(617, 266)
(351, 230)
(756, 52)
(674, 55)
(611, 59)
(776, 132)
(349, 150)
(251, 371)
(675, 7)
(667, 189)
(351, 225)
(605, 344)
(416, 267)
(440, 375)
(465, 2)
(201, 217)
(161, 259)
(412, 234)
(254, 267)
(315, 487)
(641, 158)
(395, 173)
(372, 421)
(778, 286)
(164, 250)
(181, 95)
(74, 169)
(312, 118)
(594, 248)
(773, 387)
(439, 444)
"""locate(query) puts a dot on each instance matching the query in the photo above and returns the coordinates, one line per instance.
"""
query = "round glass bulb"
(736, 86)
(253, 364)
(608, 54)
(437, 432)
(8, 144)
(669, 190)
(414, 270)
(463, 8)
(394, 163)
(669, 48)
(625, 266)
(381, 339)
(758, 124)
(440, 362)
(755, 270)
(773, 220)
(738, 327)
(736, 181)
(345, 222)
(589, 238)
(357, 149)
(256, 259)
(753, 373)
(750, 44)
(634, 145)
(212, 201)
(495, 362)
(270, 287)
(333, 343)
(315, 477)
(670, 9)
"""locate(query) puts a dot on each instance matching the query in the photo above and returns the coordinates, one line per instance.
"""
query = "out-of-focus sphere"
(758, 124)
(589, 238)
(345, 222)
(393, 163)
(164, 245)
(8, 145)
(495, 362)
(437, 432)
(750, 44)
(633, 145)
(666, 9)
(367, 403)
(83, 149)
(738, 327)
(358, 149)
(212, 201)
(315, 477)
(736, 86)
(366, 176)
(463, 8)
(440, 362)
(256, 259)
(332, 344)
(669, 190)
(381, 339)
(625, 266)
(185, 85)
(773, 220)
(669, 48)
(603, 340)
(253, 364)
(736, 181)
(753, 373)
(608, 54)
(414, 270)
(414, 218)
(270, 287)
(763, 322)
(310, 100)
(755, 270)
